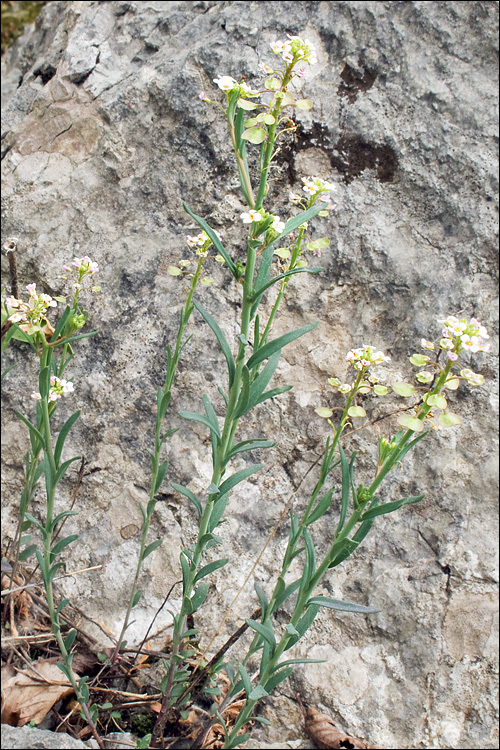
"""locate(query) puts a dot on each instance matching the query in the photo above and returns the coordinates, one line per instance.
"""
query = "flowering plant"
(275, 252)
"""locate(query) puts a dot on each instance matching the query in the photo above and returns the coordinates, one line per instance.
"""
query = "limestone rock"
(103, 137)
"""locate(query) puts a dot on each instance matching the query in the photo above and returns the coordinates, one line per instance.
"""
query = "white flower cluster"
(365, 357)
(31, 312)
(318, 188)
(82, 267)
(58, 388)
(295, 49)
(459, 334)
(228, 83)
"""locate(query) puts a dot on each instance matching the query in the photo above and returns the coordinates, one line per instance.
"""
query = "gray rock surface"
(31, 738)
(103, 137)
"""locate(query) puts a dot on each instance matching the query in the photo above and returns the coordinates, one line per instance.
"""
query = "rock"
(103, 137)
(31, 738)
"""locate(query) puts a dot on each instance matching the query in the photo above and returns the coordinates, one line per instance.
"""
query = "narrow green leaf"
(37, 523)
(151, 548)
(211, 415)
(273, 346)
(185, 569)
(257, 693)
(310, 562)
(273, 393)
(325, 601)
(390, 507)
(262, 276)
(218, 244)
(278, 677)
(60, 516)
(60, 326)
(220, 338)
(62, 604)
(346, 488)
(247, 445)
(262, 599)
(27, 552)
(53, 570)
(210, 568)
(63, 434)
(61, 544)
(259, 292)
(321, 508)
(262, 380)
(345, 549)
(199, 596)
(194, 417)
(242, 405)
(190, 496)
(160, 476)
(300, 661)
(136, 599)
(34, 433)
(69, 640)
(247, 683)
(264, 630)
(217, 512)
(76, 338)
(238, 477)
(64, 670)
(298, 220)
(63, 468)
(287, 591)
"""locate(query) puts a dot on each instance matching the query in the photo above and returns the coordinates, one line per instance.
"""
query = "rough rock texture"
(103, 136)
(22, 738)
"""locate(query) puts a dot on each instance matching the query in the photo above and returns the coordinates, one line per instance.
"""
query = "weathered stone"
(30, 738)
(102, 140)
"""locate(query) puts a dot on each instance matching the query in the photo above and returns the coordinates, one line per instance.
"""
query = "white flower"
(277, 224)
(225, 83)
(252, 215)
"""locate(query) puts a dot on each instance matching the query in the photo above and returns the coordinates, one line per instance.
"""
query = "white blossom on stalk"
(250, 216)
(225, 83)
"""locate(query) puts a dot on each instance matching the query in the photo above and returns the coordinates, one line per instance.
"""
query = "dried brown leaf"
(26, 698)
(325, 734)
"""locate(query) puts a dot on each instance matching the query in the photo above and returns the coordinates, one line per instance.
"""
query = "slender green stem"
(169, 379)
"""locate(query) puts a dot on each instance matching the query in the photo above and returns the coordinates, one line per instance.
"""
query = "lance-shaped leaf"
(151, 547)
(69, 640)
(285, 593)
(272, 393)
(75, 338)
(262, 275)
(264, 630)
(60, 326)
(346, 488)
(35, 435)
(247, 445)
(190, 496)
(273, 346)
(211, 415)
(278, 677)
(343, 551)
(220, 338)
(63, 468)
(298, 220)
(310, 562)
(247, 683)
(262, 380)
(238, 477)
(192, 416)
(259, 292)
(199, 596)
(61, 544)
(217, 513)
(27, 552)
(63, 434)
(213, 236)
(321, 508)
(304, 624)
(210, 568)
(60, 516)
(390, 507)
(325, 601)
(242, 406)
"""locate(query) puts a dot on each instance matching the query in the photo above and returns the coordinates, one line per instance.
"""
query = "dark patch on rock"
(354, 81)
